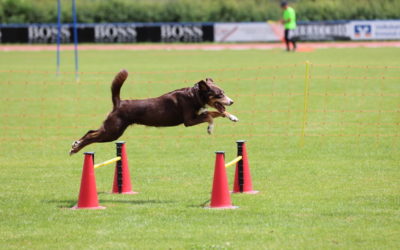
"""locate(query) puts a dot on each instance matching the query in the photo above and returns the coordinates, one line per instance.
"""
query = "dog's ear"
(203, 86)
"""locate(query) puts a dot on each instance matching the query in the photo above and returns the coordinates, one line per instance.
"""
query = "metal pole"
(75, 40)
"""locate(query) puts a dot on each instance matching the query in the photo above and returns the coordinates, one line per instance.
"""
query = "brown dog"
(187, 106)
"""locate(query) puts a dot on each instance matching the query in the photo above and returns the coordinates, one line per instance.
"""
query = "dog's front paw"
(233, 118)
(210, 129)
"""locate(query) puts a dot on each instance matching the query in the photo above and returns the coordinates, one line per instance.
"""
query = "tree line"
(98, 11)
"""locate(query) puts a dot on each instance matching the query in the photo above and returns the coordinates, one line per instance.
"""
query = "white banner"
(309, 31)
(375, 30)
(247, 32)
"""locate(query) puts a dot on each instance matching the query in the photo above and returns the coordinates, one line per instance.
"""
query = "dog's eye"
(218, 96)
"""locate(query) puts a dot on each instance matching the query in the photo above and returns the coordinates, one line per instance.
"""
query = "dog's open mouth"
(219, 107)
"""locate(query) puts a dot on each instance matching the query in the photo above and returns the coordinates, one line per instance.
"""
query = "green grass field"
(336, 187)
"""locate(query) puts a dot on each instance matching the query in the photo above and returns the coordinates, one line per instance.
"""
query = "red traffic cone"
(122, 178)
(88, 194)
(220, 196)
(242, 182)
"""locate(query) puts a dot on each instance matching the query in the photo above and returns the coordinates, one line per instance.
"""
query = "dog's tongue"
(219, 107)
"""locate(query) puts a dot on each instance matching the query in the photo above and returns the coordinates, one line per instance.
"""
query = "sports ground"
(322, 129)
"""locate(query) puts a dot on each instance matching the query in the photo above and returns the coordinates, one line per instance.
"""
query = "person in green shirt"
(289, 22)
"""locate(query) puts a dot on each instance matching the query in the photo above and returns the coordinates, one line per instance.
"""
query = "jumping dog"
(186, 105)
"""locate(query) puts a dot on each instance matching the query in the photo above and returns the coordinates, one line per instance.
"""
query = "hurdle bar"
(105, 163)
(233, 162)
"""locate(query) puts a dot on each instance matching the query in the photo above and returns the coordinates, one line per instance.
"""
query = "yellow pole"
(233, 161)
(107, 162)
(306, 93)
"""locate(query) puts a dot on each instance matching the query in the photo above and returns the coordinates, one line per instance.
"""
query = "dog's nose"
(231, 102)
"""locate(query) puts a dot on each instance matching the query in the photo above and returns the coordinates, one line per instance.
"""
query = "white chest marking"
(202, 110)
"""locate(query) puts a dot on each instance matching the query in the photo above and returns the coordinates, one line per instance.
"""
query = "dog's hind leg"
(111, 130)
(90, 137)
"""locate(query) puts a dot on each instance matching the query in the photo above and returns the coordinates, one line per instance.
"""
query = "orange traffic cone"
(242, 182)
(122, 179)
(220, 196)
(88, 194)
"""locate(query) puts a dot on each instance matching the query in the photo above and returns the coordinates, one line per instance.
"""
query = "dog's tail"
(116, 85)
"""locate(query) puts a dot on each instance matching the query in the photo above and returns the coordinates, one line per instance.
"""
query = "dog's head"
(213, 95)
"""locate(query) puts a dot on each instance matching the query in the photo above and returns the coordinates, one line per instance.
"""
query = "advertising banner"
(201, 32)
(375, 30)
(14, 35)
(246, 32)
(321, 31)
(186, 33)
(109, 33)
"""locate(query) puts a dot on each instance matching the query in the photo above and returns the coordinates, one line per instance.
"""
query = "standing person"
(289, 21)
